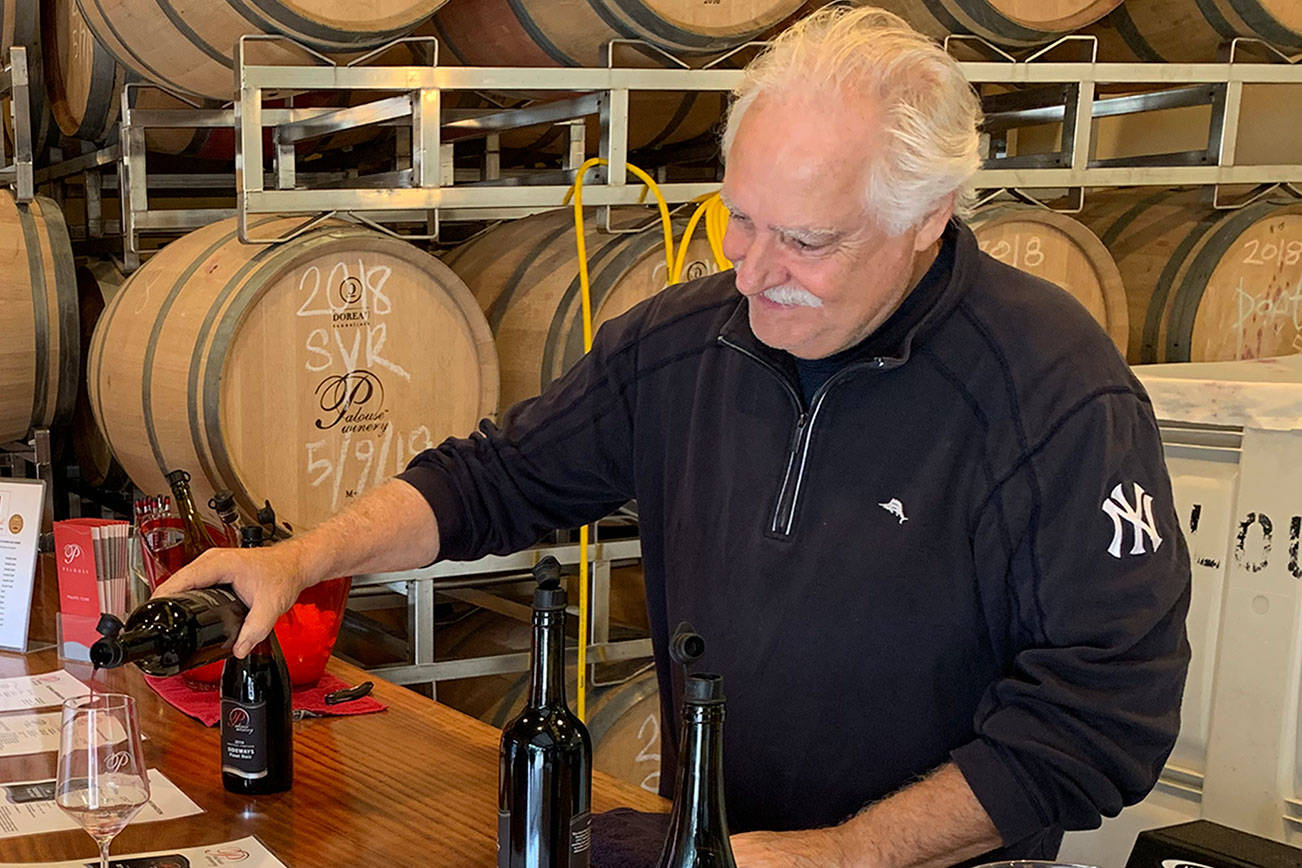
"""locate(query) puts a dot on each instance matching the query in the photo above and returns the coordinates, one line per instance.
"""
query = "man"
(911, 497)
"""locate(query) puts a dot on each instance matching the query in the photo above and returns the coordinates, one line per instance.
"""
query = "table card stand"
(21, 507)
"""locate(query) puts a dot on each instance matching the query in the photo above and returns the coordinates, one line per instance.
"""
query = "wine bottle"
(196, 540)
(257, 732)
(223, 504)
(545, 769)
(698, 824)
(167, 635)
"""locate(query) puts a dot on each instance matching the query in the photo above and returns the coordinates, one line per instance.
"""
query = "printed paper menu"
(28, 807)
(39, 691)
(247, 852)
(21, 503)
(25, 732)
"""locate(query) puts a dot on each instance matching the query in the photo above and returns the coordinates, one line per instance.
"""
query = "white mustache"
(792, 296)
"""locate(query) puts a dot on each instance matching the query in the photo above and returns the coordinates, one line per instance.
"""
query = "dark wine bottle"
(196, 540)
(257, 728)
(544, 792)
(698, 824)
(167, 635)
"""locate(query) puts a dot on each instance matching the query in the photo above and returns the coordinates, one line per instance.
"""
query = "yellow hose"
(715, 216)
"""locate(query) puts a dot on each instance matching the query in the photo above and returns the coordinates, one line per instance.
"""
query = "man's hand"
(268, 580)
(811, 848)
(389, 528)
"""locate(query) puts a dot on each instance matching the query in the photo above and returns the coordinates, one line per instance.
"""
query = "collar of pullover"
(925, 307)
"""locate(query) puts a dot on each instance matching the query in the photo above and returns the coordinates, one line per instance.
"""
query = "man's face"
(818, 273)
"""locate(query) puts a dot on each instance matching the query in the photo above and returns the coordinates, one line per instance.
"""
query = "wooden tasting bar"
(413, 785)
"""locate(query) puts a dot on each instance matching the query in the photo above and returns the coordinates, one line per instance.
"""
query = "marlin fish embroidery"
(895, 508)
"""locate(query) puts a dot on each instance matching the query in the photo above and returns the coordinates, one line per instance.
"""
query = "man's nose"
(756, 262)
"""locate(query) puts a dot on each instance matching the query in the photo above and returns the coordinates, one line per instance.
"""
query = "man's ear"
(933, 225)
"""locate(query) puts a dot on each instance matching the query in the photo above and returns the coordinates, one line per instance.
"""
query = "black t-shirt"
(812, 373)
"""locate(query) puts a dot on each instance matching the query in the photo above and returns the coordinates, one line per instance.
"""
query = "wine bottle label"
(244, 739)
(503, 839)
(580, 839)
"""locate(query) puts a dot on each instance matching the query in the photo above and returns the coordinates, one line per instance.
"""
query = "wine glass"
(102, 781)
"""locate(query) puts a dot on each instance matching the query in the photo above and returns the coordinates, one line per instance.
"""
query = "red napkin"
(205, 705)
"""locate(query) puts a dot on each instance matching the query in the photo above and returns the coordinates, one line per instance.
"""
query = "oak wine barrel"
(655, 118)
(1010, 23)
(97, 283)
(1192, 31)
(1062, 251)
(1205, 285)
(304, 373)
(38, 306)
(190, 48)
(82, 80)
(547, 33)
(623, 704)
(524, 274)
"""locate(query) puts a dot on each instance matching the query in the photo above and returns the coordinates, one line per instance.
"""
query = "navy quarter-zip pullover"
(961, 547)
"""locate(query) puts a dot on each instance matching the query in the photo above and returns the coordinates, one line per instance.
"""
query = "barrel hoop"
(1157, 304)
(446, 42)
(40, 313)
(1189, 295)
(208, 383)
(65, 286)
(26, 24)
(1135, 41)
(603, 284)
(944, 20)
(560, 317)
(985, 16)
(202, 447)
(685, 106)
(606, 714)
(192, 36)
(650, 23)
(1110, 235)
(314, 33)
(131, 59)
(1266, 25)
(1216, 19)
(101, 111)
(98, 341)
(498, 309)
(539, 38)
(619, 253)
(151, 347)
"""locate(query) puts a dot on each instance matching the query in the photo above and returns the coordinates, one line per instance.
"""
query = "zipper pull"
(800, 428)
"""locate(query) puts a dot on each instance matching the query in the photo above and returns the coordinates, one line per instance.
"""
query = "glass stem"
(103, 852)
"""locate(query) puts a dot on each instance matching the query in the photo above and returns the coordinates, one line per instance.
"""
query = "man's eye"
(807, 246)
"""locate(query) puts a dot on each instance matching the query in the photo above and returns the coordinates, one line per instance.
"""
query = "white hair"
(930, 111)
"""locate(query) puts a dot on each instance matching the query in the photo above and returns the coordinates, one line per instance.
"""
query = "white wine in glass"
(102, 780)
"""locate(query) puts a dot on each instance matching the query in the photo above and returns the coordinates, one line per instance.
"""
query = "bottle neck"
(127, 647)
(196, 534)
(699, 809)
(548, 671)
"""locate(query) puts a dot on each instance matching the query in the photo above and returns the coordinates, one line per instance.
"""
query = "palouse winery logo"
(238, 720)
(355, 399)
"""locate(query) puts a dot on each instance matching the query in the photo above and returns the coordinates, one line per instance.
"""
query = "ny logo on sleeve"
(1140, 516)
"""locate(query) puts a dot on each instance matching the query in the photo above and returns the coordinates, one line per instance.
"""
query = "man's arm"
(934, 822)
(389, 528)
